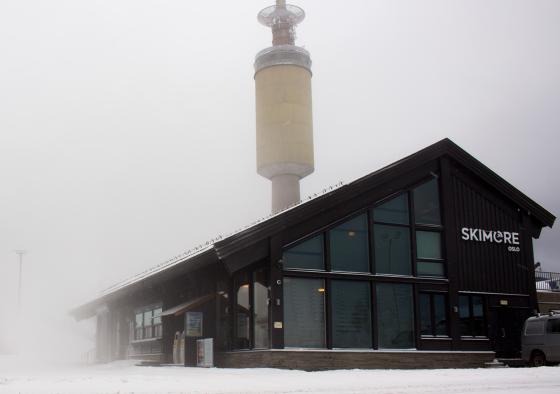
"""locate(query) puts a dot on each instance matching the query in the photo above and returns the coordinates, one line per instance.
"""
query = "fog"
(127, 128)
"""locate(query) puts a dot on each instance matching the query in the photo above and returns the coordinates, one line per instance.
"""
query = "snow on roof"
(198, 250)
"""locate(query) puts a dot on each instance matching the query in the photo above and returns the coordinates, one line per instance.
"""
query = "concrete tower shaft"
(283, 107)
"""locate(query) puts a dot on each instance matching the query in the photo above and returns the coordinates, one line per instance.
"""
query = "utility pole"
(20, 253)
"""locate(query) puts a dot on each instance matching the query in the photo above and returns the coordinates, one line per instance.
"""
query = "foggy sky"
(127, 127)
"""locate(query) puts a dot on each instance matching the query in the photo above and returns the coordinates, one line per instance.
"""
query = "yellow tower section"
(284, 121)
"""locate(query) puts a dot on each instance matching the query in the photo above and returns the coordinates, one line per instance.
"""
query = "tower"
(283, 106)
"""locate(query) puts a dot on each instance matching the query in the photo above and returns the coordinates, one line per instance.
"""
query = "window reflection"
(351, 314)
(425, 315)
(306, 255)
(392, 249)
(395, 318)
(304, 313)
(428, 245)
(393, 211)
(426, 203)
(433, 314)
(471, 316)
(242, 313)
(349, 246)
(260, 306)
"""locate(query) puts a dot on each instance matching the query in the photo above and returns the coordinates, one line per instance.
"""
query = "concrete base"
(311, 360)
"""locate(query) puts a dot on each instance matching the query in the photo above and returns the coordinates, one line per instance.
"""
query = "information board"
(193, 324)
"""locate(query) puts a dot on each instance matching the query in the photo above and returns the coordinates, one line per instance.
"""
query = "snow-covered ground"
(124, 377)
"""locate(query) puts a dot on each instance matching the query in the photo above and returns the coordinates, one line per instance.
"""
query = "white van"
(540, 341)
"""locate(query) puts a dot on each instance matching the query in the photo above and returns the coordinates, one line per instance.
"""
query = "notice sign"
(193, 324)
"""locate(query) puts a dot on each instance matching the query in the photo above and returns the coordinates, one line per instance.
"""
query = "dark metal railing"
(547, 281)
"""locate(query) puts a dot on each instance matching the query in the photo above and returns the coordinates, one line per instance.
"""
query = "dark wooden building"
(427, 262)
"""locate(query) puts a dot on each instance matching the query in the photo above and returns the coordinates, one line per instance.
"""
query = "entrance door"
(507, 325)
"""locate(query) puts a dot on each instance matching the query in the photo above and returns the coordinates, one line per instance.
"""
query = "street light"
(20, 253)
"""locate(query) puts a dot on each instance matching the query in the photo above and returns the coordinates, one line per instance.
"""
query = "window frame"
(433, 323)
(149, 331)
(472, 318)
(414, 227)
(329, 313)
(327, 255)
(250, 274)
(374, 278)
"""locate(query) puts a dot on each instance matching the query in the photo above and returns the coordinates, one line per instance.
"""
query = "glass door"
(260, 309)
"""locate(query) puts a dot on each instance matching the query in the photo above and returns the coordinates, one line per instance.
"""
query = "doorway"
(506, 327)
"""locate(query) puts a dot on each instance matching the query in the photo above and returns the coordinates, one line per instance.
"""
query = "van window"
(553, 326)
(535, 327)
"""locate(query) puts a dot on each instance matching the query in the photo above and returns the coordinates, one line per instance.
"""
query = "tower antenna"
(282, 18)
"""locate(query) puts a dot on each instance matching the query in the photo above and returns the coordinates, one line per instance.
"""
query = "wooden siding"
(486, 266)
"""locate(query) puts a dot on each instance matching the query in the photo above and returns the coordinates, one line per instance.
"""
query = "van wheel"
(538, 359)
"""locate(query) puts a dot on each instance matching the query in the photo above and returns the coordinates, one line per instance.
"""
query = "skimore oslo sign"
(493, 236)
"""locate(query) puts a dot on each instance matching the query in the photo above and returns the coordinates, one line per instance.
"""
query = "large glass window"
(304, 313)
(260, 308)
(349, 245)
(426, 203)
(147, 323)
(139, 326)
(157, 323)
(472, 319)
(403, 236)
(351, 314)
(225, 319)
(306, 255)
(427, 218)
(433, 314)
(148, 316)
(429, 254)
(395, 316)
(242, 313)
(392, 249)
(428, 244)
(393, 211)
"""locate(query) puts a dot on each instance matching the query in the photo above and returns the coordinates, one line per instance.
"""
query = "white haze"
(127, 126)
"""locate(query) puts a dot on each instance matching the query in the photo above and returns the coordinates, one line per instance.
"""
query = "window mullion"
(471, 316)
(433, 312)
(328, 314)
(412, 232)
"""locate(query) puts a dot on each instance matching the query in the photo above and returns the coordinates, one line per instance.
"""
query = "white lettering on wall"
(465, 232)
(498, 237)
(492, 236)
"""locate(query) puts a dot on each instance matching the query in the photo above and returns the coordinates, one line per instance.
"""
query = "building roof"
(221, 247)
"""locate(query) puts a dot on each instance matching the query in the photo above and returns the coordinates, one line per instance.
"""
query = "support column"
(285, 191)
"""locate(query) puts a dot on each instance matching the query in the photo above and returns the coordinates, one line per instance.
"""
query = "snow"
(123, 377)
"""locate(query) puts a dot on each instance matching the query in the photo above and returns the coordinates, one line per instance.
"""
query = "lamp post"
(20, 253)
